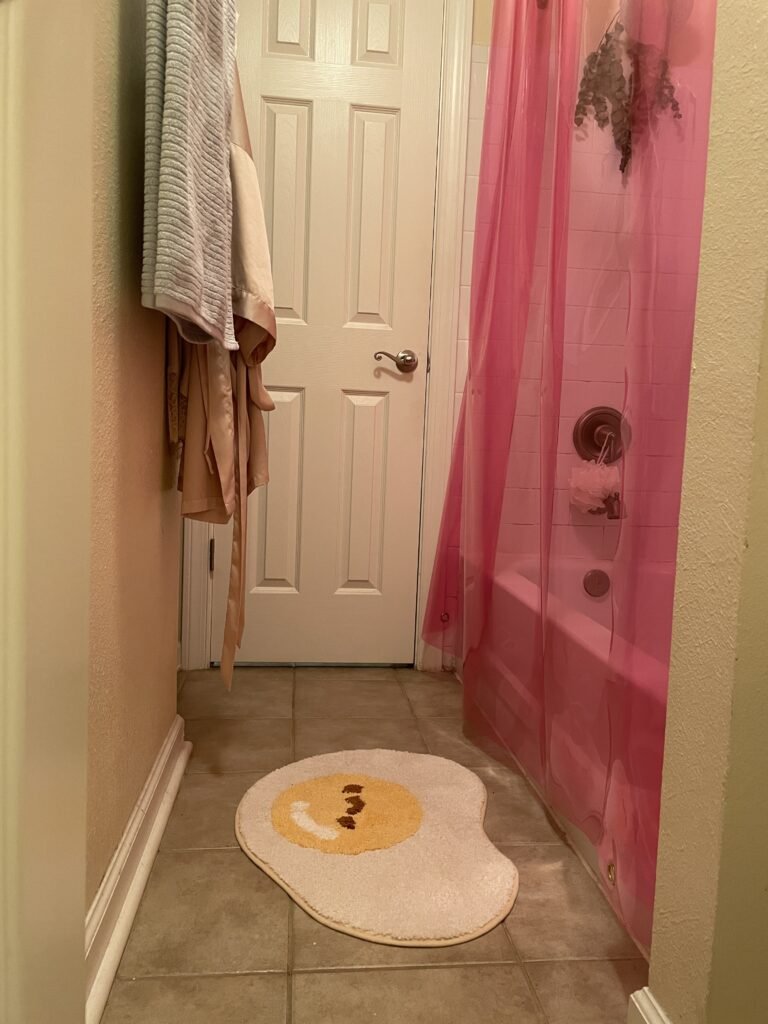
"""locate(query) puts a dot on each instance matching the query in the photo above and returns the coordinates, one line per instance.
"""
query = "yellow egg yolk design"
(346, 814)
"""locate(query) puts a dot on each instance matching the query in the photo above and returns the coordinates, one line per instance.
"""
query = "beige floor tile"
(203, 816)
(239, 745)
(514, 813)
(350, 698)
(560, 913)
(315, 946)
(445, 738)
(587, 992)
(251, 999)
(432, 694)
(364, 674)
(208, 912)
(326, 735)
(449, 995)
(255, 693)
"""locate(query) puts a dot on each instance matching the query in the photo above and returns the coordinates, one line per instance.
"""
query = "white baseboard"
(643, 1009)
(111, 915)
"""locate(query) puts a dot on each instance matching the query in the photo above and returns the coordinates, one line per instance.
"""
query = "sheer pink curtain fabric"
(583, 294)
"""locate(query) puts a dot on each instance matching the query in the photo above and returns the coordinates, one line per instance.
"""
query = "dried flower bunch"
(626, 84)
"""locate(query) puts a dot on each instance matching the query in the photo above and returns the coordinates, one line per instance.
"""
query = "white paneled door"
(342, 101)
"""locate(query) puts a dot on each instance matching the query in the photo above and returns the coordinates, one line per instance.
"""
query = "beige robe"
(216, 399)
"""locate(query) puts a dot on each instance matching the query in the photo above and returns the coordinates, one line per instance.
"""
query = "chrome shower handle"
(406, 361)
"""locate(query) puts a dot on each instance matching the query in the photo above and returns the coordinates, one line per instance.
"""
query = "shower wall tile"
(467, 244)
(528, 398)
(590, 363)
(535, 327)
(565, 464)
(521, 506)
(524, 468)
(478, 85)
(597, 249)
(597, 326)
(594, 211)
(594, 372)
(601, 289)
(658, 473)
(464, 295)
(462, 359)
(653, 543)
(653, 508)
(577, 541)
(470, 202)
(578, 395)
(531, 368)
(474, 145)
(518, 539)
(526, 435)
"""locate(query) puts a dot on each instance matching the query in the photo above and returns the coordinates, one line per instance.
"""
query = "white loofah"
(591, 483)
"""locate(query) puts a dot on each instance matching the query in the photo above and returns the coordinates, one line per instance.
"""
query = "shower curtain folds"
(583, 294)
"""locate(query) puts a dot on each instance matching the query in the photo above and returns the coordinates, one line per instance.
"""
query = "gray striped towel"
(190, 66)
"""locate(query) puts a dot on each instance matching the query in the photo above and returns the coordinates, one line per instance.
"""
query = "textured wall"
(482, 27)
(135, 533)
(708, 959)
(46, 54)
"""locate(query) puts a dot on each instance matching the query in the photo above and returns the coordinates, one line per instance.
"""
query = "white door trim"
(444, 318)
(446, 279)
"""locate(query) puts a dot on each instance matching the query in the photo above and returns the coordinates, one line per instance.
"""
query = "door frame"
(443, 342)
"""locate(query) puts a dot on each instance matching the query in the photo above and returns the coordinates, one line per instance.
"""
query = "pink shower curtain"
(578, 267)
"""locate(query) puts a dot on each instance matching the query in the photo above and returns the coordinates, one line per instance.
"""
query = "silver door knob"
(406, 361)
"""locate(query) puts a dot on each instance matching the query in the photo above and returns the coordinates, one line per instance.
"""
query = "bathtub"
(602, 726)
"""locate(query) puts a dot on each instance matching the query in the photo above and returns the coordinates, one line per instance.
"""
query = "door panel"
(342, 102)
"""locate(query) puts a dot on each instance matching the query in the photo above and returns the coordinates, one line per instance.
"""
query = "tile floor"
(215, 940)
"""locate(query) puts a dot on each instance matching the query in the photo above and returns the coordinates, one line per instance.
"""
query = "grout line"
(401, 968)
(236, 718)
(414, 716)
(198, 849)
(539, 1006)
(583, 959)
(527, 842)
(290, 968)
(534, 994)
(272, 972)
(293, 716)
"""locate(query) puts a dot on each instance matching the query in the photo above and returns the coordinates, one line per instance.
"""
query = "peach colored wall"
(135, 531)
(482, 26)
(46, 55)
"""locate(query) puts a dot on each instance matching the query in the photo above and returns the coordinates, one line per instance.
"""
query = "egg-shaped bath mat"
(384, 845)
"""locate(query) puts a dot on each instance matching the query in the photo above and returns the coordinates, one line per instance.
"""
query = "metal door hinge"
(211, 554)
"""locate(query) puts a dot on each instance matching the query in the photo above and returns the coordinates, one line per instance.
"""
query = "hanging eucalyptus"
(625, 84)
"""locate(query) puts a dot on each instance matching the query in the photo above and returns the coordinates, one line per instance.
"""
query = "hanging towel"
(190, 67)
(216, 399)
(254, 306)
